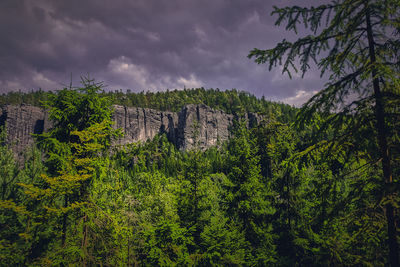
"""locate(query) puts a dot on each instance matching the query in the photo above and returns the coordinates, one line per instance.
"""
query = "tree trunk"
(383, 149)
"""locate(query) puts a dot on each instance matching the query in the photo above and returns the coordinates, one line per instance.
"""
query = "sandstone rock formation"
(23, 121)
(141, 124)
(201, 126)
(194, 125)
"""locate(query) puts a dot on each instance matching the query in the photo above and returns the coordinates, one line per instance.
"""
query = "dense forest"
(265, 197)
(316, 186)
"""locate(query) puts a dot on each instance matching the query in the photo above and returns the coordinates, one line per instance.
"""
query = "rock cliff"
(23, 121)
(141, 124)
(199, 125)
(194, 125)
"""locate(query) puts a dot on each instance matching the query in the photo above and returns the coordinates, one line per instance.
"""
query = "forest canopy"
(264, 197)
(229, 101)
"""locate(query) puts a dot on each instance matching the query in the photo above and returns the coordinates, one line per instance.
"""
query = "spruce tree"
(356, 43)
(75, 147)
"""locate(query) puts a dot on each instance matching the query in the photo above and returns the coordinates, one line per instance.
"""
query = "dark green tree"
(357, 44)
(250, 199)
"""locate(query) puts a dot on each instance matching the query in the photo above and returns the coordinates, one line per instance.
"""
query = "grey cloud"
(142, 44)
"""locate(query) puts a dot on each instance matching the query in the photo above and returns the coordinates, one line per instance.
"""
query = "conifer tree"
(75, 145)
(250, 200)
(357, 44)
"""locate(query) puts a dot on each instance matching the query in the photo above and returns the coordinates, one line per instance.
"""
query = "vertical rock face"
(141, 124)
(194, 126)
(23, 121)
(200, 126)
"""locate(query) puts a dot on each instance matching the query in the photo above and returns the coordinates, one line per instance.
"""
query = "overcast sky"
(145, 45)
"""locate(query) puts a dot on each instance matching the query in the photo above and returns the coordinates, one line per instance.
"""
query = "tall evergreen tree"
(357, 43)
(250, 201)
(74, 147)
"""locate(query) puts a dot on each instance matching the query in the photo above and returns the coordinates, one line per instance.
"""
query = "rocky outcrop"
(141, 124)
(194, 126)
(21, 122)
(200, 126)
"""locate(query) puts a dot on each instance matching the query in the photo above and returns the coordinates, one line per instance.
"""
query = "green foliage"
(34, 97)
(356, 44)
(9, 170)
(251, 196)
(230, 101)
(14, 206)
(273, 195)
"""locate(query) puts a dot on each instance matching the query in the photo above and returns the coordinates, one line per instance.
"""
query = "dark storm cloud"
(144, 45)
